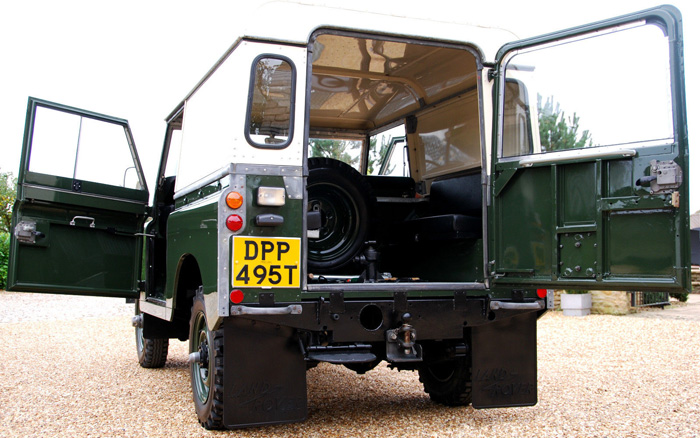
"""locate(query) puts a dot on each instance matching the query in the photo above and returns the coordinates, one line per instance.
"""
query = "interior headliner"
(361, 83)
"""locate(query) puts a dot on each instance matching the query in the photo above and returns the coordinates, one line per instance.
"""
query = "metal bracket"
(400, 302)
(337, 302)
(266, 299)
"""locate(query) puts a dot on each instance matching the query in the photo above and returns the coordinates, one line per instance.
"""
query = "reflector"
(236, 296)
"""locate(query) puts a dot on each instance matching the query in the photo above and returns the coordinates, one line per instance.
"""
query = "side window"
(387, 153)
(82, 148)
(270, 117)
(347, 150)
(449, 137)
(611, 88)
(517, 120)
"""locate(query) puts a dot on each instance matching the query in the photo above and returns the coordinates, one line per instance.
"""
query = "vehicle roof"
(294, 22)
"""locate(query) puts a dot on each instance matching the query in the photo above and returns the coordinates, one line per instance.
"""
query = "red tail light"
(234, 222)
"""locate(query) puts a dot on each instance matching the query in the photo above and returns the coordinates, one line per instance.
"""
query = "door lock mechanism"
(664, 177)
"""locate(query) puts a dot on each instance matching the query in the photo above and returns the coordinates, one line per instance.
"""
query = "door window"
(608, 88)
(82, 148)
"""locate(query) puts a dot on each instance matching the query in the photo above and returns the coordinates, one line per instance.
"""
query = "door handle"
(86, 218)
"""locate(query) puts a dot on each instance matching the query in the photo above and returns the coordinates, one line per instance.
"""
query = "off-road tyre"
(152, 353)
(207, 377)
(448, 382)
(346, 202)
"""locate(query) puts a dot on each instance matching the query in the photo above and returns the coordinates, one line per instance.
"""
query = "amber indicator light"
(234, 200)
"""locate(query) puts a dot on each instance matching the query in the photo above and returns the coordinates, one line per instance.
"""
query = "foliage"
(348, 151)
(557, 132)
(8, 192)
(4, 257)
(376, 156)
(680, 296)
(343, 150)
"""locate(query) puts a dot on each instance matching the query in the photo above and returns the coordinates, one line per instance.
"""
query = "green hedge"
(4, 257)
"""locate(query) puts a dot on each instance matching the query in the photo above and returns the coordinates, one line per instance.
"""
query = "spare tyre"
(345, 202)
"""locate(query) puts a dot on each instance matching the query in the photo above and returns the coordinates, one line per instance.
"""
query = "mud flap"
(504, 362)
(264, 374)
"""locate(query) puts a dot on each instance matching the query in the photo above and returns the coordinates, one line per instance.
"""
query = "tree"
(557, 132)
(8, 192)
(337, 149)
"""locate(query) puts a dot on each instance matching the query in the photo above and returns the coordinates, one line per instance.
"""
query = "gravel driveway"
(69, 369)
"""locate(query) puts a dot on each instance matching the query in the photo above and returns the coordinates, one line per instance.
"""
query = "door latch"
(26, 232)
(664, 177)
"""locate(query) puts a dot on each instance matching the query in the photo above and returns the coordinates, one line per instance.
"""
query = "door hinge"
(492, 74)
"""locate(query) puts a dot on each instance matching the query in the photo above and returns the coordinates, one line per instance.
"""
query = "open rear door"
(81, 204)
(590, 170)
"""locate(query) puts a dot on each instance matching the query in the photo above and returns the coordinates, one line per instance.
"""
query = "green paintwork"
(192, 231)
(292, 211)
(584, 223)
(76, 259)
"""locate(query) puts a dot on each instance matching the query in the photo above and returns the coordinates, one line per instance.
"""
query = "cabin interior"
(405, 115)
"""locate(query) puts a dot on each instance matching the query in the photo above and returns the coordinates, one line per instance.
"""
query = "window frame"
(292, 102)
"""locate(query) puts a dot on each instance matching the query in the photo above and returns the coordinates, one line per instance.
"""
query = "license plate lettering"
(266, 262)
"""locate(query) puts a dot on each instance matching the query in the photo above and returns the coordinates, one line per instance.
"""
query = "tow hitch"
(401, 343)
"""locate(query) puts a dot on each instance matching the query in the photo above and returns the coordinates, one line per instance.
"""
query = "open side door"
(596, 196)
(81, 204)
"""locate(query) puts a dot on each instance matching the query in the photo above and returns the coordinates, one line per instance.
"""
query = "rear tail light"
(234, 222)
(542, 293)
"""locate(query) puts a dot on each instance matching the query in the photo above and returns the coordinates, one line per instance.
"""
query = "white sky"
(137, 59)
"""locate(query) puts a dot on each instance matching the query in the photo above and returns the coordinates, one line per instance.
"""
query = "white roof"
(294, 22)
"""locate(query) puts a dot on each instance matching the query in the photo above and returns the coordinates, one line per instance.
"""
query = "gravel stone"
(70, 369)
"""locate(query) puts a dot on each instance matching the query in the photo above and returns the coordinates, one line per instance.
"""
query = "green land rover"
(364, 189)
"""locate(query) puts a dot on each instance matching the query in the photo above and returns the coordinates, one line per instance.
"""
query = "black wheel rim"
(201, 371)
(340, 225)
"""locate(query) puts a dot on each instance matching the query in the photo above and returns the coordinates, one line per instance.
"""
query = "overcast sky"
(137, 59)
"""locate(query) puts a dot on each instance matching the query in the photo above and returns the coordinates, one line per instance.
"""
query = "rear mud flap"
(264, 374)
(504, 362)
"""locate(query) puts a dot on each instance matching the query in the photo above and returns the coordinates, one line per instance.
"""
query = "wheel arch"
(189, 278)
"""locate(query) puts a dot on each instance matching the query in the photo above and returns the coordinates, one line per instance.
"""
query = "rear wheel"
(152, 353)
(206, 368)
(448, 382)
